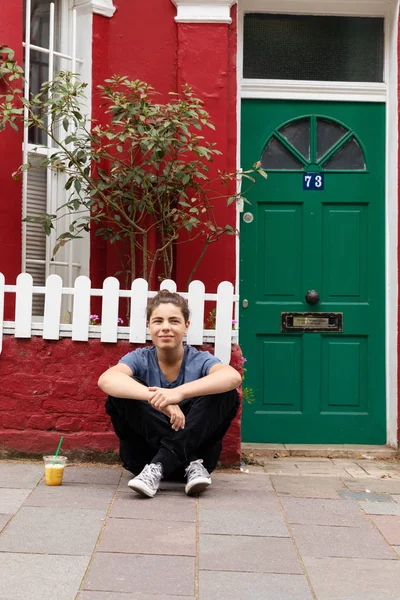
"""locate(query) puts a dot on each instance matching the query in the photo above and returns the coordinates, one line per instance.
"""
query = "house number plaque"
(311, 322)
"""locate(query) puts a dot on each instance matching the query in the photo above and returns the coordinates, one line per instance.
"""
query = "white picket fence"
(50, 327)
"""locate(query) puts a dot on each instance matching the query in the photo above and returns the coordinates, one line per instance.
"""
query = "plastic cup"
(54, 469)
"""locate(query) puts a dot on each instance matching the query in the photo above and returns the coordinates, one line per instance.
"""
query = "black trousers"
(146, 435)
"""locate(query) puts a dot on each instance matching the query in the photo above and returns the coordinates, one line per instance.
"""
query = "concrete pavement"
(294, 528)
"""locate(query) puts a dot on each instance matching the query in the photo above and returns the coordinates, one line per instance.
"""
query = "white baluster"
(196, 305)
(169, 285)
(137, 329)
(52, 308)
(81, 309)
(109, 311)
(223, 321)
(23, 306)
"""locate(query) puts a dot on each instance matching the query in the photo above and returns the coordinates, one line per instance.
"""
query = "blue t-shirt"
(144, 364)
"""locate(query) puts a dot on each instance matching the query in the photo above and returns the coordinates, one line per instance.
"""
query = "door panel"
(344, 252)
(282, 370)
(314, 387)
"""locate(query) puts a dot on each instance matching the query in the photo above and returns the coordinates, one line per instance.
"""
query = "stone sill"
(254, 453)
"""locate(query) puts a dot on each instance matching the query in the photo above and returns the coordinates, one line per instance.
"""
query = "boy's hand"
(161, 397)
(176, 416)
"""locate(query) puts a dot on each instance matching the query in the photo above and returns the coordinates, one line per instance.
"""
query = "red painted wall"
(50, 389)
(138, 41)
(11, 158)
(147, 44)
(207, 61)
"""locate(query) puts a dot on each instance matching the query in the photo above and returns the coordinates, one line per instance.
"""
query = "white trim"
(392, 278)
(364, 8)
(105, 8)
(203, 11)
(313, 90)
(389, 9)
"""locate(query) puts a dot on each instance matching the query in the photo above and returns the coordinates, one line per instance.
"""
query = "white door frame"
(356, 92)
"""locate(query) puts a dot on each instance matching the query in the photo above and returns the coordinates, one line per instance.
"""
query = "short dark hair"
(167, 297)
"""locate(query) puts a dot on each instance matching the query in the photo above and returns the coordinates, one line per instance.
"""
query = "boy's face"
(167, 326)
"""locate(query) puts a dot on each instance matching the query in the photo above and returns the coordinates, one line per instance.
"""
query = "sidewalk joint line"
(294, 542)
(91, 559)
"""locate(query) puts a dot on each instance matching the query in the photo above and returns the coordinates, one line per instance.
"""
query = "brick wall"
(49, 389)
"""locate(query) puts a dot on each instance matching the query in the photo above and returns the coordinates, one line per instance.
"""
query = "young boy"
(170, 404)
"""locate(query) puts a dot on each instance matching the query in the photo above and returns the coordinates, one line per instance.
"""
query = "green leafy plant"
(247, 392)
(141, 175)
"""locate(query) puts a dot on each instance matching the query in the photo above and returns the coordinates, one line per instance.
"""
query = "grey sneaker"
(198, 478)
(148, 481)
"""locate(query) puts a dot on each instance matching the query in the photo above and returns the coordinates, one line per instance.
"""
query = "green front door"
(323, 233)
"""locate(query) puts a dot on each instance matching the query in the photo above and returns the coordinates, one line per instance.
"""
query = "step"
(251, 452)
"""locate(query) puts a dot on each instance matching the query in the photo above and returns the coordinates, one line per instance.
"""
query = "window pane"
(349, 158)
(39, 61)
(298, 134)
(276, 156)
(328, 133)
(311, 48)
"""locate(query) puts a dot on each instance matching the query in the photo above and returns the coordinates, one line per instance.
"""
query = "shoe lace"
(196, 469)
(151, 474)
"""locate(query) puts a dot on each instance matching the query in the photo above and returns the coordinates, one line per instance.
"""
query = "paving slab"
(91, 475)
(310, 468)
(40, 577)
(11, 500)
(127, 596)
(72, 496)
(248, 554)
(389, 526)
(20, 475)
(238, 498)
(354, 578)
(378, 486)
(148, 537)
(215, 585)
(242, 522)
(365, 496)
(4, 520)
(307, 487)
(381, 508)
(275, 468)
(160, 508)
(53, 531)
(352, 542)
(311, 511)
(397, 549)
(246, 481)
(149, 575)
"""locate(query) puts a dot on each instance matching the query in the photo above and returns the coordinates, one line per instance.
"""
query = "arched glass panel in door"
(313, 143)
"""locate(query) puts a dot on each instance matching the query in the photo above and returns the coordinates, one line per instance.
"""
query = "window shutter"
(35, 235)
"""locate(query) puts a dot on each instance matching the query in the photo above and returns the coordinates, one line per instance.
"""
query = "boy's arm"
(117, 381)
(221, 378)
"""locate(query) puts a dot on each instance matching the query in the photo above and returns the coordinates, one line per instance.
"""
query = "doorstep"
(252, 452)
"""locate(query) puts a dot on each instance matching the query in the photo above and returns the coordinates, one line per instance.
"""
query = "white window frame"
(76, 53)
(55, 189)
(339, 91)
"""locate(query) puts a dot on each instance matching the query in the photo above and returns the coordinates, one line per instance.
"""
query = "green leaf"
(77, 185)
(66, 123)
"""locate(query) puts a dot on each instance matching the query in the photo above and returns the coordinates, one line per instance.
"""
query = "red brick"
(53, 384)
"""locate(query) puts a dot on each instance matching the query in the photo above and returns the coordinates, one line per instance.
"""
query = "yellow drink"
(54, 474)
